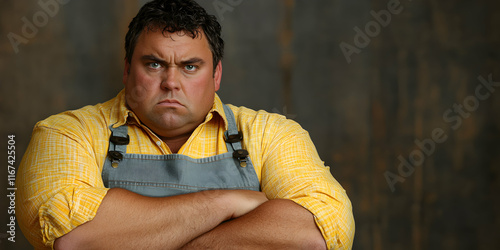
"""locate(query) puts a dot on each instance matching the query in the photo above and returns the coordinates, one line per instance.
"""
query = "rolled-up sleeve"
(293, 170)
(59, 184)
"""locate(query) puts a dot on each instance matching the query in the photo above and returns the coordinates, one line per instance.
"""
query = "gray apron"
(175, 174)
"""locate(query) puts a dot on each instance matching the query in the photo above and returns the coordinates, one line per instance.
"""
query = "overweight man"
(167, 165)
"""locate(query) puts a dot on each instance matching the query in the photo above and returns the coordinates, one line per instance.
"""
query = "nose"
(170, 79)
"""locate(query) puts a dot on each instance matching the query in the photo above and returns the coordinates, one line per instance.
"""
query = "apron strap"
(118, 144)
(120, 139)
(233, 138)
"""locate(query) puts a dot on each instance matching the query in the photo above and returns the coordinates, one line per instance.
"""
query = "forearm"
(276, 224)
(126, 220)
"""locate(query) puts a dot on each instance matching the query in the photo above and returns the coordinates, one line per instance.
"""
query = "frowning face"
(170, 82)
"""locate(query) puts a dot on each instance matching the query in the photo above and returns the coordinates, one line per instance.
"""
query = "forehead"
(154, 41)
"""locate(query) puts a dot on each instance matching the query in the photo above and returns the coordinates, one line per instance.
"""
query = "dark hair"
(176, 16)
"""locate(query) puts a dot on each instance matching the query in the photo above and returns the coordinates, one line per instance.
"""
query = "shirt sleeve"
(59, 183)
(293, 170)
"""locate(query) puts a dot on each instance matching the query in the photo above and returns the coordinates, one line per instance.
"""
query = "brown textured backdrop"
(284, 56)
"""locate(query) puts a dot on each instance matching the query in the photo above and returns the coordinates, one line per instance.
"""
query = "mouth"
(170, 103)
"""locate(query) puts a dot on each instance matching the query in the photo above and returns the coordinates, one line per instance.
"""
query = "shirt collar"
(121, 114)
(217, 108)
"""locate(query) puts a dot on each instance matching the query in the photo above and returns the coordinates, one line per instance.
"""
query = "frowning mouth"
(169, 103)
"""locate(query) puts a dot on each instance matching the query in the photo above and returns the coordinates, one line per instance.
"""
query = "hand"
(244, 201)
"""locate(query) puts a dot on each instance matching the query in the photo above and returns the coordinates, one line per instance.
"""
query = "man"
(166, 165)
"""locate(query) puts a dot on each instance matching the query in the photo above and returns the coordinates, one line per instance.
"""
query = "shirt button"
(158, 143)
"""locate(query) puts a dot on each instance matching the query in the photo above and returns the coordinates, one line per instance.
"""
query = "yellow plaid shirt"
(60, 186)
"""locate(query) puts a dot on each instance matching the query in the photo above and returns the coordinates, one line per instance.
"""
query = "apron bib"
(176, 174)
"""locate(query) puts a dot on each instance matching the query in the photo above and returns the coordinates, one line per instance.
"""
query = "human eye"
(190, 68)
(154, 65)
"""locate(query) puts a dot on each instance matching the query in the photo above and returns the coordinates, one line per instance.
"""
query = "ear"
(218, 75)
(126, 71)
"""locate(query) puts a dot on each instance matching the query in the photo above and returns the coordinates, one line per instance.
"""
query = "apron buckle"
(115, 158)
(118, 140)
(241, 155)
(234, 137)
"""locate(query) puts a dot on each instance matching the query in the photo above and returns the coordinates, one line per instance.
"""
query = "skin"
(131, 221)
(275, 224)
(170, 85)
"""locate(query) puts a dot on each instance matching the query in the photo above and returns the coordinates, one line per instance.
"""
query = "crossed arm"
(56, 203)
(210, 219)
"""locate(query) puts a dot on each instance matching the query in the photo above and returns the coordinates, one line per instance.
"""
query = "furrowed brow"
(152, 58)
(194, 60)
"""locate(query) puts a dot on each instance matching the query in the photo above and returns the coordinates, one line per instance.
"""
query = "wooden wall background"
(284, 56)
